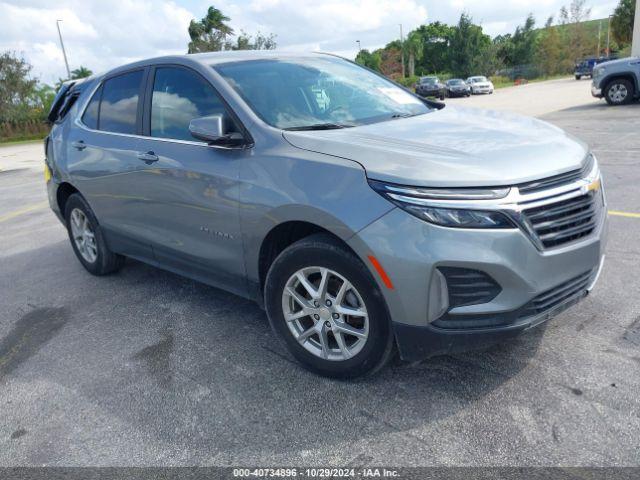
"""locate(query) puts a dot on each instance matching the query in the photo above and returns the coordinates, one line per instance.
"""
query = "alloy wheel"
(325, 313)
(83, 235)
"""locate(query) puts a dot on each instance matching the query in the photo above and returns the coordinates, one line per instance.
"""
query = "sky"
(102, 34)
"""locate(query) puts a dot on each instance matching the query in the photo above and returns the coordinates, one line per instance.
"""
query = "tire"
(368, 354)
(578, 77)
(94, 255)
(619, 92)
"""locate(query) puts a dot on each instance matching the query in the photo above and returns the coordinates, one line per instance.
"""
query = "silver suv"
(364, 218)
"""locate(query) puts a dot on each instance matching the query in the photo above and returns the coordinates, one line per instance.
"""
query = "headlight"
(422, 203)
(598, 72)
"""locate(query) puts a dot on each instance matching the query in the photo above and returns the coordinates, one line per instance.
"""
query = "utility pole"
(402, 50)
(635, 43)
(599, 30)
(64, 53)
(359, 46)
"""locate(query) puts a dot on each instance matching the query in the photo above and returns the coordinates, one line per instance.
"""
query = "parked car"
(431, 87)
(480, 84)
(456, 87)
(618, 81)
(361, 218)
(585, 67)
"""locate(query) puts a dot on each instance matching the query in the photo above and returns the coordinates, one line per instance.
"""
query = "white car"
(480, 84)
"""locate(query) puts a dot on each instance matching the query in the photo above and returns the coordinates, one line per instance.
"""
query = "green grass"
(21, 139)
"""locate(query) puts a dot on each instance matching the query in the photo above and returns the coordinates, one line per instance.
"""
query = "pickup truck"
(617, 81)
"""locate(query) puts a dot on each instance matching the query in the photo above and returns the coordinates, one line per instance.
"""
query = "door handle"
(148, 157)
(79, 145)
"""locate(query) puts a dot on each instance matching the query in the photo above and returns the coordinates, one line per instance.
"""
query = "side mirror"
(211, 130)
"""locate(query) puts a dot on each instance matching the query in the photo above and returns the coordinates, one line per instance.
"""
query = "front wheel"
(619, 92)
(324, 305)
(578, 77)
(87, 240)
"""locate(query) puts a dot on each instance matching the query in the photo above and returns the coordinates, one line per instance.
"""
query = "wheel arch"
(621, 76)
(286, 233)
(63, 192)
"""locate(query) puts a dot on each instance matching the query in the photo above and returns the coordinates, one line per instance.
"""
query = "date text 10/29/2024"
(315, 472)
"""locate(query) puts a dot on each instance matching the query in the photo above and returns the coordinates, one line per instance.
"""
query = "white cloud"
(102, 34)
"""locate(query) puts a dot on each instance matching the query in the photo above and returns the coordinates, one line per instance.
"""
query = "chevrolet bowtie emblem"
(595, 185)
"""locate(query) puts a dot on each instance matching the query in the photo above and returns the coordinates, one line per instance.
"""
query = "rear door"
(103, 155)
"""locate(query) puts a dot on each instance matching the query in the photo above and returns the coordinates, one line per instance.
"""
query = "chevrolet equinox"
(364, 218)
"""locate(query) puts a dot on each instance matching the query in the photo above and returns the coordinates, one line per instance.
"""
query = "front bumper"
(429, 93)
(596, 92)
(482, 89)
(410, 250)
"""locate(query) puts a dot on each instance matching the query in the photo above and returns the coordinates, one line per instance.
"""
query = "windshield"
(428, 80)
(455, 82)
(322, 92)
(478, 79)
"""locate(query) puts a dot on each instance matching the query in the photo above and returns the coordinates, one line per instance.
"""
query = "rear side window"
(119, 103)
(90, 117)
(179, 96)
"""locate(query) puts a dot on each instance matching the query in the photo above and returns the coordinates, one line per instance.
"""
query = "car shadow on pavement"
(189, 365)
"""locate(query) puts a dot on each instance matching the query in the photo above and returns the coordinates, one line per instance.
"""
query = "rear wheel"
(578, 77)
(323, 304)
(87, 240)
(619, 92)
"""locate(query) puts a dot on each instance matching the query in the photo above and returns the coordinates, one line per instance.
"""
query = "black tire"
(106, 261)
(578, 77)
(324, 251)
(610, 90)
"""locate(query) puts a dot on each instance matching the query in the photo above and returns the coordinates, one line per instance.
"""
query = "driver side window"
(179, 96)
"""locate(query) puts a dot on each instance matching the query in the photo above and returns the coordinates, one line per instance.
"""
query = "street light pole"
(402, 50)
(64, 53)
(359, 46)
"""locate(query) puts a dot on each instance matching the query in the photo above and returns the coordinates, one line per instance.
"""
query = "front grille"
(565, 221)
(556, 296)
(469, 287)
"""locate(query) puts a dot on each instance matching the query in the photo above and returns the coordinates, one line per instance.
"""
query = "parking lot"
(148, 368)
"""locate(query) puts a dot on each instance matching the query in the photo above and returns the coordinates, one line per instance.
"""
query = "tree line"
(25, 101)
(463, 49)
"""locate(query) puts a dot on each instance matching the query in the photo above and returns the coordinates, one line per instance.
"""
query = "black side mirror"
(211, 130)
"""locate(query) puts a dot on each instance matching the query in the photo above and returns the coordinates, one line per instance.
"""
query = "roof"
(213, 58)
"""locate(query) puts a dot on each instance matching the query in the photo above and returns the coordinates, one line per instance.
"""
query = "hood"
(621, 61)
(452, 147)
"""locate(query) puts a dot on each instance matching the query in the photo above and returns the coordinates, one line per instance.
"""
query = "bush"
(23, 130)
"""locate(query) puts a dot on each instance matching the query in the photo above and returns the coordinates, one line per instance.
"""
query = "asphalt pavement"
(147, 368)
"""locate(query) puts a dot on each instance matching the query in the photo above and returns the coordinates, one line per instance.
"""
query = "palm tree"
(209, 34)
(413, 46)
(80, 72)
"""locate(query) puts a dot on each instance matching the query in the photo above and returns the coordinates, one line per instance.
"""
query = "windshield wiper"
(404, 115)
(319, 126)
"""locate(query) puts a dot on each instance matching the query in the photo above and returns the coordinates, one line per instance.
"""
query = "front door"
(192, 210)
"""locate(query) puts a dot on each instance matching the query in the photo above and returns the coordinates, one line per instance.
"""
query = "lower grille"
(565, 221)
(555, 296)
(545, 302)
